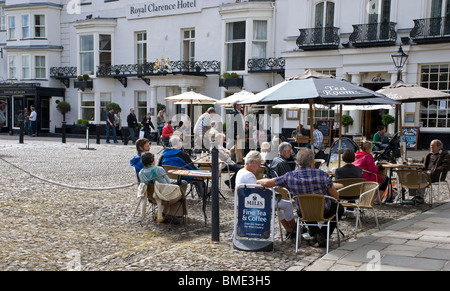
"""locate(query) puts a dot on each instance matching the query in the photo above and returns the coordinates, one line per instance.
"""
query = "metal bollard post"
(63, 132)
(21, 132)
(214, 193)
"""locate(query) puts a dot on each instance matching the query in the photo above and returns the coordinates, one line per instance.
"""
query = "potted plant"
(387, 119)
(346, 121)
(114, 106)
(83, 82)
(231, 80)
(82, 122)
(63, 107)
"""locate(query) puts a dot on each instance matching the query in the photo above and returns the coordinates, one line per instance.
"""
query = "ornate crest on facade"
(162, 67)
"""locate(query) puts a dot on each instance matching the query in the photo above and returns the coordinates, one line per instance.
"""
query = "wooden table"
(196, 174)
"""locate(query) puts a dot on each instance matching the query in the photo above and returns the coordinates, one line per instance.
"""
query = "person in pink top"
(365, 161)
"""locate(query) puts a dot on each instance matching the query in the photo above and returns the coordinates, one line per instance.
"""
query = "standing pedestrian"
(110, 125)
(160, 120)
(33, 121)
(147, 123)
(118, 121)
(26, 121)
(132, 125)
(238, 133)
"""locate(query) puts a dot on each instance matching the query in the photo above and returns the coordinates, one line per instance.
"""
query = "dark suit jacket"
(441, 165)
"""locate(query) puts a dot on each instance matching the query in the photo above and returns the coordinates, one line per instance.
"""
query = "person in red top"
(365, 161)
(167, 132)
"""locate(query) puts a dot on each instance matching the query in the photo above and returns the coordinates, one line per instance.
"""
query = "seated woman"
(228, 163)
(365, 161)
(175, 156)
(142, 146)
(151, 173)
(167, 132)
(380, 139)
(348, 170)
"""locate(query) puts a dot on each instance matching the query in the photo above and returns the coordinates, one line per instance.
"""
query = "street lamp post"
(399, 59)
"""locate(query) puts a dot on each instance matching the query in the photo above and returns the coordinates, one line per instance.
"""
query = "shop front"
(15, 97)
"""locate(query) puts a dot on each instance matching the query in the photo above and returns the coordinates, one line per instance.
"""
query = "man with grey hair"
(247, 175)
(308, 180)
(280, 164)
(437, 162)
(175, 156)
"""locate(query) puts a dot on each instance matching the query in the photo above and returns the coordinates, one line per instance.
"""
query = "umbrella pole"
(311, 120)
(400, 129)
(340, 135)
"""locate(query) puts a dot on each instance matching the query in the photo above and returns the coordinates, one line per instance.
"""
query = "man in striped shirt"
(308, 180)
(280, 164)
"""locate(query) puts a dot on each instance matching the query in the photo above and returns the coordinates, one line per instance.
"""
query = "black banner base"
(252, 245)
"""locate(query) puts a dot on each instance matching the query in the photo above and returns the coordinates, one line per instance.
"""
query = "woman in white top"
(247, 176)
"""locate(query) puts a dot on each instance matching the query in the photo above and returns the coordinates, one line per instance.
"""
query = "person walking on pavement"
(132, 125)
(147, 123)
(110, 125)
(118, 120)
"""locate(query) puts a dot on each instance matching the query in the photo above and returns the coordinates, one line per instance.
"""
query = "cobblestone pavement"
(49, 227)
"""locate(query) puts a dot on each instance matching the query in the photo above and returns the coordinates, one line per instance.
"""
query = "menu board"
(411, 137)
(326, 127)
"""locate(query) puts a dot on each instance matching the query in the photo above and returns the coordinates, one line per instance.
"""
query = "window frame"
(103, 50)
(10, 75)
(138, 108)
(264, 41)
(90, 53)
(24, 76)
(39, 26)
(141, 47)
(433, 80)
(12, 30)
(90, 106)
(42, 69)
(188, 44)
(230, 42)
(25, 27)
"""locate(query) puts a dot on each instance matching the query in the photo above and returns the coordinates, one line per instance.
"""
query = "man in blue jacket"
(175, 156)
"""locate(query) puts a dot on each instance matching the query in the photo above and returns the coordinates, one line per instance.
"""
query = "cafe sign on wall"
(162, 8)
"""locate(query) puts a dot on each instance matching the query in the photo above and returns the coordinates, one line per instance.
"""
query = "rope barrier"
(78, 187)
(68, 186)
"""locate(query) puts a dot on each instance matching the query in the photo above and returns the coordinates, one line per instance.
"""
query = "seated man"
(280, 164)
(142, 146)
(307, 180)
(151, 173)
(246, 175)
(175, 156)
(436, 162)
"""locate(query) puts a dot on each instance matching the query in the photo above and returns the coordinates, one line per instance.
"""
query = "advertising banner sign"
(254, 213)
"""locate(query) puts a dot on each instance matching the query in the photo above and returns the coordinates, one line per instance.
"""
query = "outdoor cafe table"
(205, 175)
(393, 167)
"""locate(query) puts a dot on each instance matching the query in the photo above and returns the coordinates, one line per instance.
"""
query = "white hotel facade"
(45, 45)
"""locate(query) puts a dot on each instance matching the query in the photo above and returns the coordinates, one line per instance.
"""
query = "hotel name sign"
(162, 8)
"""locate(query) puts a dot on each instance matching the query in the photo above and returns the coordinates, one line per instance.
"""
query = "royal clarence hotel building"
(137, 52)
